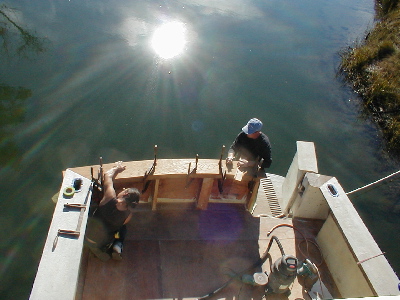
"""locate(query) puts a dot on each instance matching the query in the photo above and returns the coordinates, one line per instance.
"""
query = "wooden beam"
(155, 194)
(253, 195)
(166, 168)
(205, 192)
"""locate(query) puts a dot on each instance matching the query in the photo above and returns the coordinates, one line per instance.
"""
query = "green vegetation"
(372, 67)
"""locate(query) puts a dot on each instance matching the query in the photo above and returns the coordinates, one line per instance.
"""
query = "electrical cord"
(304, 239)
(262, 260)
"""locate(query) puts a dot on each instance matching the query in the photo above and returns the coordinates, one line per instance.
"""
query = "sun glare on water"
(169, 40)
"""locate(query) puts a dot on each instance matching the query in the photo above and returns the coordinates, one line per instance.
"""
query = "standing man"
(107, 228)
(252, 146)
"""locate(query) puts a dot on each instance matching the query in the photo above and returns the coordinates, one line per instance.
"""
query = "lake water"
(114, 78)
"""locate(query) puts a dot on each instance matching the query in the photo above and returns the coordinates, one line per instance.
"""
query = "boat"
(205, 230)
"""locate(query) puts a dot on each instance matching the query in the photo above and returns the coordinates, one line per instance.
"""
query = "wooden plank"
(232, 189)
(155, 194)
(135, 277)
(253, 195)
(165, 168)
(175, 188)
(191, 269)
(205, 192)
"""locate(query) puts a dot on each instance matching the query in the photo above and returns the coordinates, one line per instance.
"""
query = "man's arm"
(232, 150)
(266, 163)
(128, 219)
(109, 176)
(266, 153)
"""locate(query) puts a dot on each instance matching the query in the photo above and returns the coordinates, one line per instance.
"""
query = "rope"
(364, 260)
(372, 183)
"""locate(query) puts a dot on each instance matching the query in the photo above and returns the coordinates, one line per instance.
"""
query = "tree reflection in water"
(12, 112)
(14, 39)
(24, 42)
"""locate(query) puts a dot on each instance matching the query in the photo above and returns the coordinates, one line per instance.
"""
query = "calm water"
(90, 82)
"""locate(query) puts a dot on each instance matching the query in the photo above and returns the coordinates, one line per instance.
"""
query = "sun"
(169, 39)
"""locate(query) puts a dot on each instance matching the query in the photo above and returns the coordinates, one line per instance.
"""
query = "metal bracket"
(189, 179)
(221, 172)
(150, 171)
(100, 175)
(96, 182)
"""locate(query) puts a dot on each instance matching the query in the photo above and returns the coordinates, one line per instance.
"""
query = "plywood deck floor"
(187, 254)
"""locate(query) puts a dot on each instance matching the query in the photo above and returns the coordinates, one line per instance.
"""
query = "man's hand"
(116, 169)
(229, 160)
(119, 167)
(243, 163)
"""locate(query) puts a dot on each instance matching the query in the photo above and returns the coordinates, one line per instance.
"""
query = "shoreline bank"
(372, 68)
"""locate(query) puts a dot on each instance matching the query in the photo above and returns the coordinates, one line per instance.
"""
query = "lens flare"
(169, 39)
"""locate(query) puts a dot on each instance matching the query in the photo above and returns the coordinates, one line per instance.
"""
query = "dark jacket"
(253, 149)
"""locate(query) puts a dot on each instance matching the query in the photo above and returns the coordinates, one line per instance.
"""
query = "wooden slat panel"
(175, 184)
(232, 189)
(175, 188)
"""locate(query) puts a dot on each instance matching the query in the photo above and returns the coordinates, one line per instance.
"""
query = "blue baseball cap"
(252, 126)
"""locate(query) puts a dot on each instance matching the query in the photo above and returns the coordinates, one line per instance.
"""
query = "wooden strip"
(155, 194)
(253, 195)
(166, 168)
(205, 192)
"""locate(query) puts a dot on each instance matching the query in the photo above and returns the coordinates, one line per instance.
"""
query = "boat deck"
(176, 253)
(200, 227)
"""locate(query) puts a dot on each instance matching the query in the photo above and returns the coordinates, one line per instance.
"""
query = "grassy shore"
(372, 67)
